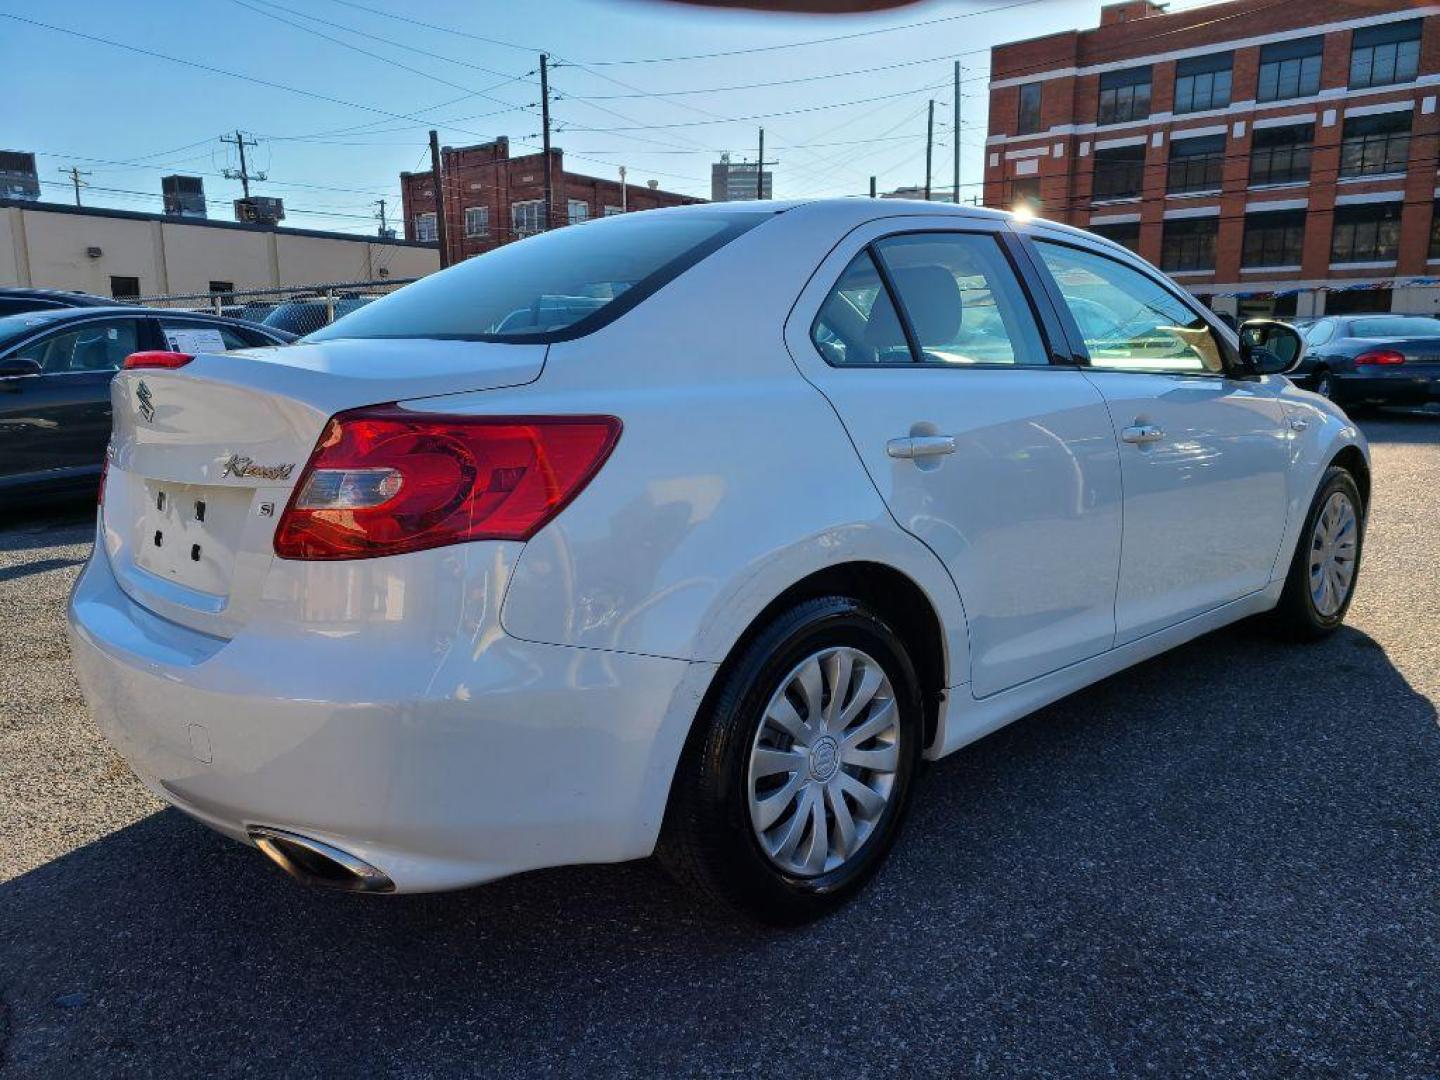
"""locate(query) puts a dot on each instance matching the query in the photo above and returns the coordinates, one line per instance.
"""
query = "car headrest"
(933, 300)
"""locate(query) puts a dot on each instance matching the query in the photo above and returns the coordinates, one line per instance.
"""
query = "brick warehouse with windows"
(1273, 157)
(492, 198)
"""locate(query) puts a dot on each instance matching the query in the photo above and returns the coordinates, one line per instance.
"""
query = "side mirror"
(1269, 347)
(16, 366)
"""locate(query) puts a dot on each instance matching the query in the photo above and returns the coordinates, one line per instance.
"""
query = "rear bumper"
(494, 758)
(1398, 387)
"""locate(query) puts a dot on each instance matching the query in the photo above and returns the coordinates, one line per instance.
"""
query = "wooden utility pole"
(872, 187)
(384, 227)
(437, 181)
(760, 168)
(929, 146)
(75, 174)
(243, 173)
(545, 134)
(956, 198)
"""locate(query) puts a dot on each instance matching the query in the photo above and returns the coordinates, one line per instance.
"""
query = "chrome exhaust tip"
(313, 862)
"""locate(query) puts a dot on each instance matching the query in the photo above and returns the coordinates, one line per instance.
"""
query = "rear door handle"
(1142, 433)
(920, 446)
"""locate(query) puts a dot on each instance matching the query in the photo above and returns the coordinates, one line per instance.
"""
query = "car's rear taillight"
(157, 359)
(386, 480)
(1383, 357)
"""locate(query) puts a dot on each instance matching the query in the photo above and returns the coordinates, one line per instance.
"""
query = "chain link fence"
(300, 309)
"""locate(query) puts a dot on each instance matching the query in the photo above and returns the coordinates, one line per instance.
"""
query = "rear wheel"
(1322, 574)
(796, 778)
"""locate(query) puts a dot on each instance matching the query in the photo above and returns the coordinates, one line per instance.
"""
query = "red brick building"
(492, 198)
(1272, 156)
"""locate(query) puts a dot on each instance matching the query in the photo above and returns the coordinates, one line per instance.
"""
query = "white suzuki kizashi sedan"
(690, 532)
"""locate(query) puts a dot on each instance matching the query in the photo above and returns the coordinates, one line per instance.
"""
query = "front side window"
(1196, 164)
(1119, 172)
(425, 228)
(1128, 320)
(1369, 232)
(1189, 244)
(1274, 239)
(1203, 82)
(557, 285)
(1321, 332)
(1124, 96)
(1385, 54)
(957, 296)
(1281, 155)
(102, 345)
(1029, 120)
(1290, 69)
(1375, 144)
(477, 222)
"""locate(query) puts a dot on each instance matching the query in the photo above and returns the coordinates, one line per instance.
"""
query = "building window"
(1377, 144)
(1029, 122)
(527, 217)
(1203, 82)
(579, 210)
(477, 222)
(222, 286)
(1119, 172)
(1196, 164)
(425, 227)
(124, 288)
(611, 211)
(1281, 155)
(1381, 55)
(1369, 232)
(1124, 233)
(1290, 69)
(1189, 244)
(1435, 231)
(1025, 191)
(1276, 238)
(1124, 96)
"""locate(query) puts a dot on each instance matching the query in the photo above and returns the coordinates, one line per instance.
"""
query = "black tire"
(707, 842)
(1296, 616)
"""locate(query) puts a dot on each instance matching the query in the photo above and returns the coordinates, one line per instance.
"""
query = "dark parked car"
(55, 370)
(1372, 359)
(307, 316)
(15, 301)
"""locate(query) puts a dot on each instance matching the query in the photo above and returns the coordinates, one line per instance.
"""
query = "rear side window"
(558, 285)
(957, 296)
(184, 336)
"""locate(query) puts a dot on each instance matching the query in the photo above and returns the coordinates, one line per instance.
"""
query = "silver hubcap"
(823, 763)
(1332, 554)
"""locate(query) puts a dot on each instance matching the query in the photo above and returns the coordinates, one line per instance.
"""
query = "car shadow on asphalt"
(1223, 858)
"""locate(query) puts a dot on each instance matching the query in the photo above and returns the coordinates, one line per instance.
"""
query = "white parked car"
(691, 531)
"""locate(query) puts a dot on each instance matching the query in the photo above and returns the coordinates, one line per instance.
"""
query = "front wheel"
(1322, 574)
(795, 781)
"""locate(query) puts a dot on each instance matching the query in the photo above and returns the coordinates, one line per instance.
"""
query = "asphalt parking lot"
(1225, 861)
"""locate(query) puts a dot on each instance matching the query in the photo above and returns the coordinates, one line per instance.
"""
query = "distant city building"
(916, 192)
(1276, 158)
(732, 181)
(18, 178)
(184, 196)
(129, 253)
(491, 198)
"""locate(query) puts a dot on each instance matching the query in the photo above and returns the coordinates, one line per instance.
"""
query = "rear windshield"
(1405, 326)
(551, 287)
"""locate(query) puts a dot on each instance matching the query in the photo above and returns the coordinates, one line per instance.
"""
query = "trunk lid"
(203, 458)
(1418, 352)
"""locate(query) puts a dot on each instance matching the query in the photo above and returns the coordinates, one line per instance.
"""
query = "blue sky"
(130, 118)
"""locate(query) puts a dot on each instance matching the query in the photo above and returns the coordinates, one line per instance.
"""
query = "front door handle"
(920, 446)
(1142, 433)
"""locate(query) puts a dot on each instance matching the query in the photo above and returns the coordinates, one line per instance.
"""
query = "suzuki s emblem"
(146, 404)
